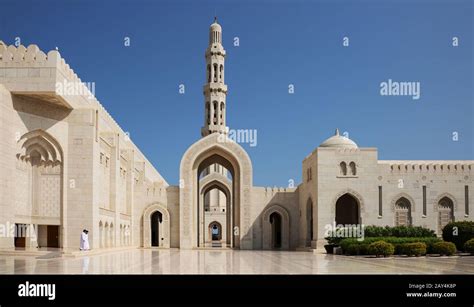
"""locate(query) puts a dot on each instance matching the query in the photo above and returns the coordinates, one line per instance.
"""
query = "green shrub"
(381, 248)
(444, 248)
(353, 249)
(397, 242)
(469, 246)
(458, 233)
(412, 249)
(398, 231)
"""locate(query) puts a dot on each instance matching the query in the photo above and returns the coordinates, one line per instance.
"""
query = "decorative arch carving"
(443, 195)
(404, 195)
(41, 142)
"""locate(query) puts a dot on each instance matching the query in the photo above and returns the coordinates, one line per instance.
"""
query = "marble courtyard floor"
(174, 261)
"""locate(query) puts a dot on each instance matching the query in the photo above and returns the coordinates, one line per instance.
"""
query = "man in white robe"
(84, 240)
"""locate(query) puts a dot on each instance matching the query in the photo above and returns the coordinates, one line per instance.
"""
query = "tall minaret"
(215, 90)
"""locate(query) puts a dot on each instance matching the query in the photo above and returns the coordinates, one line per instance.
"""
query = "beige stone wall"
(92, 194)
(264, 199)
(397, 179)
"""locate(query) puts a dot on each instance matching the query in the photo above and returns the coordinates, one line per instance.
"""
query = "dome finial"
(337, 131)
(215, 19)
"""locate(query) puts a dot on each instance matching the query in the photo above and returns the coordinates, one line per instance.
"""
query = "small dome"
(215, 26)
(339, 141)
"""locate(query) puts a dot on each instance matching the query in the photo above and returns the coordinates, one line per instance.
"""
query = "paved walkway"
(174, 261)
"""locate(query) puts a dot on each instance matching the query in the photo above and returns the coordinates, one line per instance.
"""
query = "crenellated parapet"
(46, 78)
(28, 71)
(428, 167)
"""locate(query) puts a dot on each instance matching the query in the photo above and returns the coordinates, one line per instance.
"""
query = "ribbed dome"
(339, 141)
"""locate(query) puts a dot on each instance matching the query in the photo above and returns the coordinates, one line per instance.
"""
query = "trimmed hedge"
(469, 246)
(386, 231)
(398, 231)
(397, 242)
(444, 248)
(463, 232)
(358, 249)
(381, 248)
(413, 249)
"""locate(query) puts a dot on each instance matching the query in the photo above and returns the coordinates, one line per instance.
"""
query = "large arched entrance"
(347, 210)
(215, 204)
(215, 149)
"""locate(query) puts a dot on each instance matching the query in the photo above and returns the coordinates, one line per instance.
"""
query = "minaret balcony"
(214, 87)
(215, 50)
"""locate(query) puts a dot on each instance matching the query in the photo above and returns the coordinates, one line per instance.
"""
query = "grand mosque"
(66, 165)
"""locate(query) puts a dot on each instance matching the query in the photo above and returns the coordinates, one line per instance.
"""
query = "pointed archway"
(276, 228)
(212, 149)
(347, 210)
(156, 226)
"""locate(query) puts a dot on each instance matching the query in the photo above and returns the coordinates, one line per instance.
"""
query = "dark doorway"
(275, 220)
(53, 236)
(20, 235)
(309, 222)
(156, 219)
(347, 210)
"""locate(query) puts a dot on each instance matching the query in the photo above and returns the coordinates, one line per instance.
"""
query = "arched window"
(352, 166)
(343, 166)
(215, 72)
(403, 212)
(445, 213)
(221, 73)
(221, 116)
(208, 73)
(208, 112)
(214, 120)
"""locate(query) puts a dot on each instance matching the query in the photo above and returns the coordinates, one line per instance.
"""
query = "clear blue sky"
(281, 43)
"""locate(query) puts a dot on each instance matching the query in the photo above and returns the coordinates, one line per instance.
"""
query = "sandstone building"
(67, 165)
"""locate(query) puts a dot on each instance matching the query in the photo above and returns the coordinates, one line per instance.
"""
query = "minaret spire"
(215, 90)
